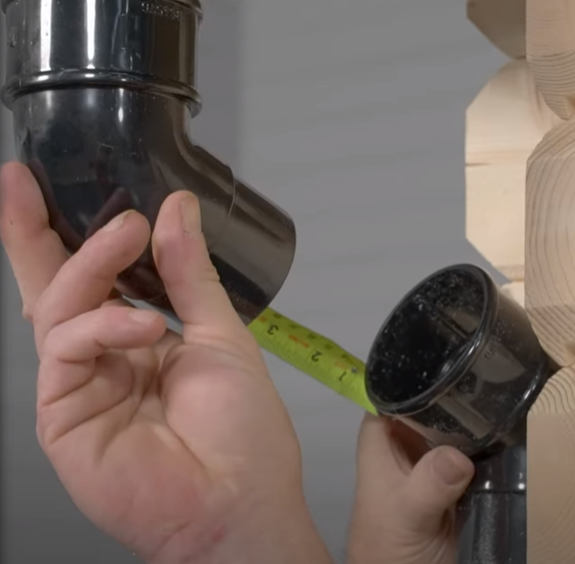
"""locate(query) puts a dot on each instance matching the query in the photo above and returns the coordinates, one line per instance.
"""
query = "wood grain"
(550, 50)
(550, 475)
(550, 242)
(550, 284)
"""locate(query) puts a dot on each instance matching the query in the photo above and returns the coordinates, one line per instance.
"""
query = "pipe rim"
(21, 86)
(465, 358)
(194, 5)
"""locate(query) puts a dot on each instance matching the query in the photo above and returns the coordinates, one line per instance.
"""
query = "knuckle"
(46, 434)
(50, 344)
(211, 274)
(40, 429)
(99, 277)
(166, 236)
(28, 313)
(39, 307)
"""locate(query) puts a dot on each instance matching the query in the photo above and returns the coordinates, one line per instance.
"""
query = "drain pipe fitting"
(101, 93)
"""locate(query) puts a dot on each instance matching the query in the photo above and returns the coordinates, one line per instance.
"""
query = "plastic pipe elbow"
(101, 93)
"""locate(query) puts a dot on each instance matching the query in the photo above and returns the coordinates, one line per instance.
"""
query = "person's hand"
(177, 446)
(405, 497)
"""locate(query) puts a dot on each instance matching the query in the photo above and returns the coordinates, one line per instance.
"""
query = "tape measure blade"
(314, 355)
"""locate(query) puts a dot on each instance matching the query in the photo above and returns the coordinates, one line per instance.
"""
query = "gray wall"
(353, 119)
(351, 116)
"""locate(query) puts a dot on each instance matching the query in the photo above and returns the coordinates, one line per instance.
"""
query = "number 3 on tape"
(313, 355)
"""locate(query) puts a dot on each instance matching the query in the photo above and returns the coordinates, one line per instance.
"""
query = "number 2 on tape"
(313, 355)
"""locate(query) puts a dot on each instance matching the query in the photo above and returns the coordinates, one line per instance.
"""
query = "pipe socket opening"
(423, 345)
(458, 361)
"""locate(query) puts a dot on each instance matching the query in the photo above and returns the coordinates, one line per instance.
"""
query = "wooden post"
(521, 217)
(550, 284)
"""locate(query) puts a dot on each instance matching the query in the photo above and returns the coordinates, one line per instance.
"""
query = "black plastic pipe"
(459, 362)
(102, 92)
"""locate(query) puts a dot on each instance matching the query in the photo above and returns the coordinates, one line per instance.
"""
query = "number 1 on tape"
(313, 355)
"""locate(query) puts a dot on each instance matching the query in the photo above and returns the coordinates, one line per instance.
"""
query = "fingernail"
(191, 219)
(143, 316)
(117, 222)
(449, 467)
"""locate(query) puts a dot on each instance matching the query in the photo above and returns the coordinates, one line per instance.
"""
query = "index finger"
(35, 251)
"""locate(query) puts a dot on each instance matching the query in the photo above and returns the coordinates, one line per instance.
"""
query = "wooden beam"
(550, 285)
(516, 291)
(550, 50)
(550, 473)
(502, 22)
(505, 123)
(550, 242)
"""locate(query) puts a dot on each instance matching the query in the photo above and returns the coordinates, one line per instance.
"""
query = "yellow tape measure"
(313, 355)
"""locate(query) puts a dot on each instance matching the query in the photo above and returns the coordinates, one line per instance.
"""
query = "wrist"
(282, 533)
(279, 534)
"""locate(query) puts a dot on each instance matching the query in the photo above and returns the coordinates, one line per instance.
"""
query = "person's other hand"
(177, 446)
(405, 497)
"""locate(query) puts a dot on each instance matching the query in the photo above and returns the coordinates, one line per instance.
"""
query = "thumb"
(190, 278)
(435, 485)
